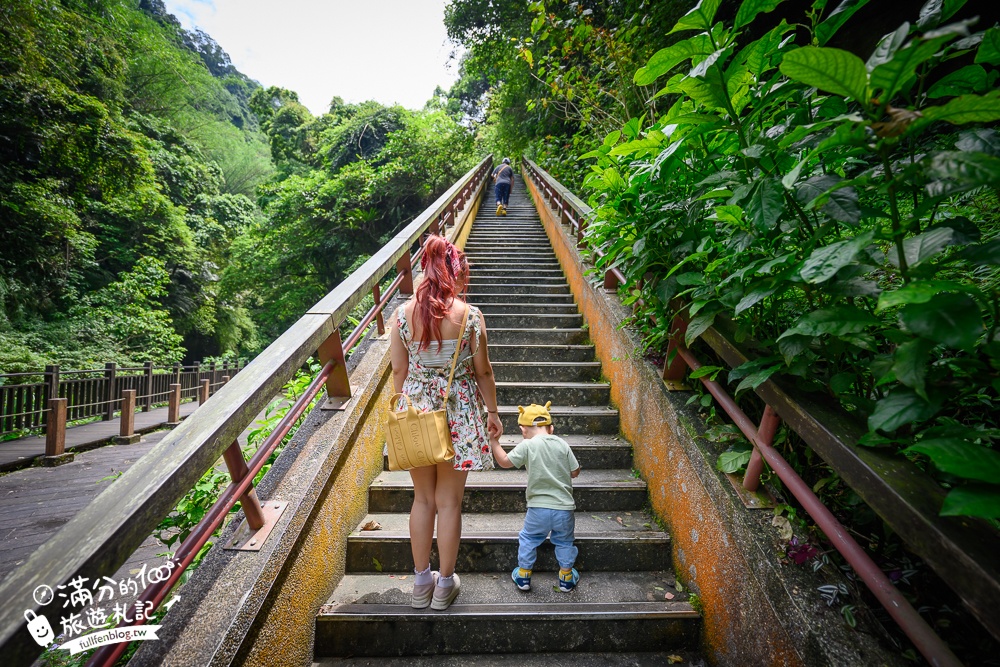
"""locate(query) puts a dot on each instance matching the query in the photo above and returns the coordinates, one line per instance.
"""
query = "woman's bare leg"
(448, 499)
(422, 515)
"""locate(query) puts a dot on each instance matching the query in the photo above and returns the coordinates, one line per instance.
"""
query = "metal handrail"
(574, 211)
(335, 306)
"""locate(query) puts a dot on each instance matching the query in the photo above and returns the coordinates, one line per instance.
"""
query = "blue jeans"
(538, 523)
(503, 193)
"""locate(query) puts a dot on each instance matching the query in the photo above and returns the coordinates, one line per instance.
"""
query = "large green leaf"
(935, 11)
(749, 10)
(836, 321)
(959, 171)
(733, 461)
(961, 457)
(967, 109)
(980, 500)
(989, 50)
(902, 406)
(969, 79)
(758, 55)
(837, 18)
(832, 70)
(888, 46)
(767, 203)
(986, 253)
(666, 59)
(921, 291)
(951, 319)
(824, 262)
(697, 326)
(699, 18)
(918, 249)
(888, 78)
(910, 362)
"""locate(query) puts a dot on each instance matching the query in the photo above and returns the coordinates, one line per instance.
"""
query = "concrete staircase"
(626, 609)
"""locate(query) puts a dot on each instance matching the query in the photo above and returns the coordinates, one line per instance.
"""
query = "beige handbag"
(417, 439)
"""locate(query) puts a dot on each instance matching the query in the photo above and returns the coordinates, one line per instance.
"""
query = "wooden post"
(174, 405)
(203, 391)
(404, 267)
(147, 402)
(214, 378)
(126, 432)
(55, 434)
(249, 501)
(674, 370)
(51, 388)
(338, 385)
(110, 378)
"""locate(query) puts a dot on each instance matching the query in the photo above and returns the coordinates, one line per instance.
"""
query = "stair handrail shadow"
(100, 538)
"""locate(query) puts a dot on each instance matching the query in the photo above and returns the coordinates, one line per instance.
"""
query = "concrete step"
(607, 612)
(536, 353)
(535, 336)
(534, 321)
(518, 288)
(560, 393)
(584, 420)
(477, 298)
(531, 273)
(491, 278)
(496, 266)
(491, 309)
(608, 542)
(593, 452)
(503, 491)
(546, 371)
(674, 658)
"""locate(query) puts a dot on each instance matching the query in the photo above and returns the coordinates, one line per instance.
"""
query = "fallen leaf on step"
(372, 524)
(619, 520)
(668, 596)
(784, 527)
(674, 659)
(402, 577)
(679, 586)
(658, 588)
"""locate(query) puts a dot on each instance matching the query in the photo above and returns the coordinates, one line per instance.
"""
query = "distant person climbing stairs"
(503, 176)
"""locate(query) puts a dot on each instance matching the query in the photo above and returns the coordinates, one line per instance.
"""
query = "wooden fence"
(24, 397)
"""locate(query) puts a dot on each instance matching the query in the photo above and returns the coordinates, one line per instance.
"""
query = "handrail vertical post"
(338, 385)
(765, 434)
(379, 318)
(174, 404)
(204, 391)
(674, 366)
(110, 378)
(126, 430)
(147, 402)
(237, 466)
(405, 268)
(55, 434)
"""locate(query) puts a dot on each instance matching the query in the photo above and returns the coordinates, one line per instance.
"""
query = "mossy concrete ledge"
(757, 609)
(259, 608)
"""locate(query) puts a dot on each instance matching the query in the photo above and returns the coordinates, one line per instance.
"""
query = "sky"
(391, 51)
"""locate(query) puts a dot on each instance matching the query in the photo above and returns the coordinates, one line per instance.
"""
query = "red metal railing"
(333, 376)
(574, 212)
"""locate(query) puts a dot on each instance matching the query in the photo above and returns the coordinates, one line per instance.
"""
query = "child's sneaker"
(567, 580)
(522, 578)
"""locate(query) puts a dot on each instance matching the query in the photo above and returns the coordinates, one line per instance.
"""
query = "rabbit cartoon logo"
(39, 628)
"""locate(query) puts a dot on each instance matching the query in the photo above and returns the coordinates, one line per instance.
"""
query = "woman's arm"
(486, 381)
(399, 357)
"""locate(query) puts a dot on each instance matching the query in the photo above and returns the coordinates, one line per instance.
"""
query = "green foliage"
(842, 213)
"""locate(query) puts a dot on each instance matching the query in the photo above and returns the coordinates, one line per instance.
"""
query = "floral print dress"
(425, 384)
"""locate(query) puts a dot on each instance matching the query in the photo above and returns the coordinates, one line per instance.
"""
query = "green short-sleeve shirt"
(549, 462)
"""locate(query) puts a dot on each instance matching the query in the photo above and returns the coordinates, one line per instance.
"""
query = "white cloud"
(391, 51)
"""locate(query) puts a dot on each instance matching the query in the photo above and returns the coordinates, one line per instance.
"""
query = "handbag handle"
(454, 359)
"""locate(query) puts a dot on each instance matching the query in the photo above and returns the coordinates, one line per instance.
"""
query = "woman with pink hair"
(422, 345)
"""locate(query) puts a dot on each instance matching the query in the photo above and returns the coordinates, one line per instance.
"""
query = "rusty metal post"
(610, 281)
(338, 384)
(765, 434)
(204, 390)
(174, 404)
(249, 501)
(126, 430)
(675, 368)
(379, 319)
(110, 379)
(405, 269)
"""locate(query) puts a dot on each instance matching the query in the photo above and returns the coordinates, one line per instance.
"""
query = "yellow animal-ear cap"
(534, 415)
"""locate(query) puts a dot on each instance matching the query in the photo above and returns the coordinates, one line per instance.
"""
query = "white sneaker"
(443, 597)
